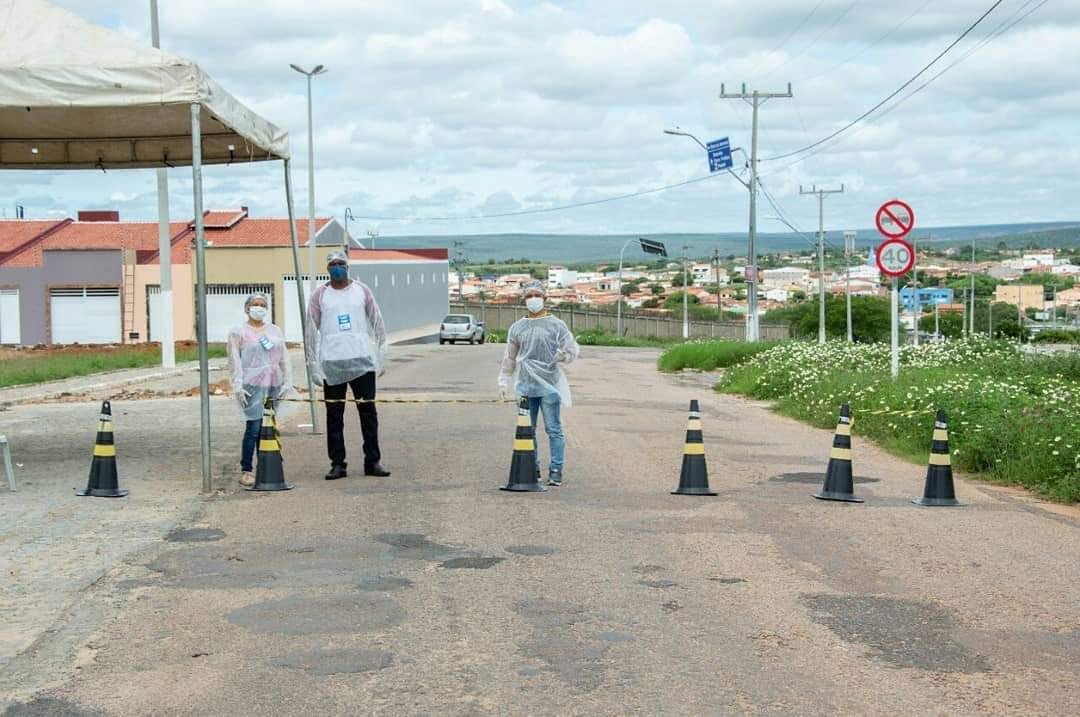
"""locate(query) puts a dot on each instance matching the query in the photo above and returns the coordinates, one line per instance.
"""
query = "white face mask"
(534, 304)
(258, 313)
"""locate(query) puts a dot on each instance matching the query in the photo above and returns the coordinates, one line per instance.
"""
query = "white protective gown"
(259, 364)
(531, 345)
(351, 335)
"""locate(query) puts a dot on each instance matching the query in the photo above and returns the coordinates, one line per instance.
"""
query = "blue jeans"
(251, 439)
(549, 405)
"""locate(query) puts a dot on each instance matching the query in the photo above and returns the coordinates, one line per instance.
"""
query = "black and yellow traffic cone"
(694, 479)
(104, 481)
(839, 481)
(270, 472)
(939, 483)
(524, 470)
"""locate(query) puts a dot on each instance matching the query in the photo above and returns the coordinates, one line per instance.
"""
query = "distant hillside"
(570, 248)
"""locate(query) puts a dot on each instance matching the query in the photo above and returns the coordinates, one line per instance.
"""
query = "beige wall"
(183, 299)
(1022, 295)
(256, 265)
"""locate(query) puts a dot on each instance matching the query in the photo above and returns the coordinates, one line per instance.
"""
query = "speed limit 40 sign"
(895, 257)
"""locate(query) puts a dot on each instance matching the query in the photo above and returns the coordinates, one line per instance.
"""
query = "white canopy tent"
(74, 95)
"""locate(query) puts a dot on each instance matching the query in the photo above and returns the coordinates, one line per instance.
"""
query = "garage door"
(9, 316)
(225, 307)
(292, 328)
(85, 316)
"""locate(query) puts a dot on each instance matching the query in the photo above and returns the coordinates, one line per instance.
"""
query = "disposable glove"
(504, 393)
(561, 356)
(244, 397)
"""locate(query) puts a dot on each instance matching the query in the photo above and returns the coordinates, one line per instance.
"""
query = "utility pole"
(685, 297)
(916, 308)
(821, 192)
(168, 345)
(849, 249)
(755, 99)
(459, 260)
(716, 275)
(973, 286)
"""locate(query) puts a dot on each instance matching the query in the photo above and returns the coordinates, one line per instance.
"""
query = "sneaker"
(247, 479)
(554, 477)
(376, 470)
(336, 472)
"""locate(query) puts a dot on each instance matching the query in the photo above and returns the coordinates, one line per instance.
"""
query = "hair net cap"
(337, 256)
(535, 285)
(256, 295)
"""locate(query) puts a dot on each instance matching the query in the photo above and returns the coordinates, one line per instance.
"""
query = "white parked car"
(462, 327)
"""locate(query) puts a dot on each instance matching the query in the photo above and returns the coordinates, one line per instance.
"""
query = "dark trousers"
(362, 387)
(251, 439)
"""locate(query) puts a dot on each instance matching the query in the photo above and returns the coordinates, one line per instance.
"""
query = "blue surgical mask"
(339, 273)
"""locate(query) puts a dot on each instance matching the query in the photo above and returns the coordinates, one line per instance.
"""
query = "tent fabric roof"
(76, 95)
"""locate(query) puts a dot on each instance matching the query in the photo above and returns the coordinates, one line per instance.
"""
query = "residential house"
(778, 278)
(1021, 295)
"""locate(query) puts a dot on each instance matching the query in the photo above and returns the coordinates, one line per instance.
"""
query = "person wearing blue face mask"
(347, 350)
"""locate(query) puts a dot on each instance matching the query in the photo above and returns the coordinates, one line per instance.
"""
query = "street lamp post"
(348, 215)
(618, 301)
(685, 297)
(317, 70)
(752, 313)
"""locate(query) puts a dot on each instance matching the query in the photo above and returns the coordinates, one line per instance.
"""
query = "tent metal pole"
(300, 294)
(200, 295)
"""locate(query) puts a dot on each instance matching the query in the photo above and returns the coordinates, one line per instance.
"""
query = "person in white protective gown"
(258, 367)
(537, 348)
(347, 350)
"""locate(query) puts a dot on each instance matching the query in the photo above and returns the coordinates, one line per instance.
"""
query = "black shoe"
(336, 472)
(376, 470)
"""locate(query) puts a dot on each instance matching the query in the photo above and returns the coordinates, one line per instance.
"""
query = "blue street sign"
(719, 155)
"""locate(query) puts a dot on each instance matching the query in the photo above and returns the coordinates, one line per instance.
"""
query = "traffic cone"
(524, 470)
(939, 482)
(839, 482)
(270, 472)
(104, 481)
(694, 479)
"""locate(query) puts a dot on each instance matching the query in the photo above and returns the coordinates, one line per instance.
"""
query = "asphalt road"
(432, 592)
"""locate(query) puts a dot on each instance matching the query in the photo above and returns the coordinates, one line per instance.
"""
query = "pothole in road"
(195, 535)
(336, 662)
(904, 633)
(320, 615)
(531, 550)
(478, 563)
(383, 583)
(814, 478)
(414, 546)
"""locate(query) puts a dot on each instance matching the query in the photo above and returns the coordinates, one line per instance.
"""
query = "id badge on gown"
(344, 322)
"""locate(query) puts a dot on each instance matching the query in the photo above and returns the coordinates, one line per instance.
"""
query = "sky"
(462, 108)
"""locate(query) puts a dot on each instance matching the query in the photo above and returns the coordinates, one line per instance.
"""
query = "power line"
(843, 13)
(1009, 23)
(896, 92)
(544, 210)
(874, 43)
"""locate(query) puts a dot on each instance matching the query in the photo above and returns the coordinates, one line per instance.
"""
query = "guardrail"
(501, 316)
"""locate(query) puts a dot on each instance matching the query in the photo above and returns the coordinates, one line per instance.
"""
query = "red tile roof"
(399, 254)
(95, 235)
(263, 232)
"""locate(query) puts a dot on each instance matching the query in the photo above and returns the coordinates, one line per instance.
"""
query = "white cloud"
(439, 107)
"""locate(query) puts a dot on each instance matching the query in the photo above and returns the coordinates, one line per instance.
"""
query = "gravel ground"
(432, 592)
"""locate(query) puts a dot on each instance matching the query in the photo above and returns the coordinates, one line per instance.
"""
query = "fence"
(501, 316)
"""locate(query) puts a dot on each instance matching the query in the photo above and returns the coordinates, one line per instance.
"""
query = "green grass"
(39, 367)
(710, 355)
(1013, 419)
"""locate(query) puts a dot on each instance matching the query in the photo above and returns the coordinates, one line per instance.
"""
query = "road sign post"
(895, 257)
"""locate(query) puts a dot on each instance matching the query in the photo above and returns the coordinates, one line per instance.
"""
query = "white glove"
(244, 397)
(561, 356)
(504, 393)
(382, 371)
